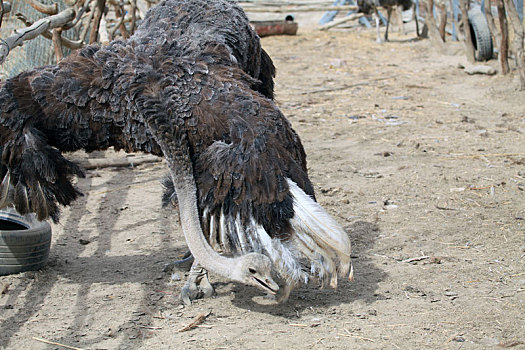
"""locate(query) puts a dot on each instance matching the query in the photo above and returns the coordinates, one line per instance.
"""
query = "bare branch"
(57, 43)
(99, 11)
(133, 16)
(47, 9)
(120, 14)
(33, 31)
(49, 35)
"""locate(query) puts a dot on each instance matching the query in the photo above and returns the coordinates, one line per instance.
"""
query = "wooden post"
(517, 26)
(469, 46)
(504, 41)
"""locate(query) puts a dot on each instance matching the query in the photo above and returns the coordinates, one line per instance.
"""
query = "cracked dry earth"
(422, 164)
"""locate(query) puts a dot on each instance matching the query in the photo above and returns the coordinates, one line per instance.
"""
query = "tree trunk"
(517, 26)
(469, 46)
(504, 41)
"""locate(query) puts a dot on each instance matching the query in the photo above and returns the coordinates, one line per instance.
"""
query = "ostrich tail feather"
(320, 238)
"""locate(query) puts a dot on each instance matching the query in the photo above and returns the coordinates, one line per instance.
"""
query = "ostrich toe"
(197, 286)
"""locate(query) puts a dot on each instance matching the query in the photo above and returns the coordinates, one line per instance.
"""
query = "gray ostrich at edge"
(192, 85)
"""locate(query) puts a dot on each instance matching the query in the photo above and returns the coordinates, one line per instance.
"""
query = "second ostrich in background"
(370, 6)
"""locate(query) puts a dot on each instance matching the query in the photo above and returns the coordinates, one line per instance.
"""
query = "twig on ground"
(355, 336)
(444, 208)
(149, 327)
(486, 155)
(344, 87)
(196, 321)
(55, 343)
(417, 258)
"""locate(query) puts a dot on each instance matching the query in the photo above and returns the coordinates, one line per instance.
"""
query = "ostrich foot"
(282, 296)
(186, 260)
(197, 286)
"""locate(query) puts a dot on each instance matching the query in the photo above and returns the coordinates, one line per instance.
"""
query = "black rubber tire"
(480, 32)
(25, 248)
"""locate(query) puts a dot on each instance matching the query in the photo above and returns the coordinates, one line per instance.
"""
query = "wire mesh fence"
(36, 52)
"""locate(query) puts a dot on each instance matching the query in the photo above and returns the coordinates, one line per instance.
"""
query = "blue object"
(330, 15)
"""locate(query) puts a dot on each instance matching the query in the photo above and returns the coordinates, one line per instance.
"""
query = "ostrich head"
(256, 270)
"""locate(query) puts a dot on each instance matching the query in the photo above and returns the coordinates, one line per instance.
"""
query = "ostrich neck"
(199, 247)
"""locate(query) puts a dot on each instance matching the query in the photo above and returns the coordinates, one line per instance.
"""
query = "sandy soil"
(422, 164)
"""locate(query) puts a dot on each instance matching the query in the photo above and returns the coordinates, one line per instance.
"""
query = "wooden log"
(517, 26)
(96, 163)
(469, 46)
(33, 31)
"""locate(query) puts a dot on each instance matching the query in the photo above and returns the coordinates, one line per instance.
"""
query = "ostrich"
(246, 205)
(369, 6)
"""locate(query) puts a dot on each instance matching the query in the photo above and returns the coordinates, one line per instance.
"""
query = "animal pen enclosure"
(406, 151)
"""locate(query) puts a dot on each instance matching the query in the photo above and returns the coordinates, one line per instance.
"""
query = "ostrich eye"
(252, 270)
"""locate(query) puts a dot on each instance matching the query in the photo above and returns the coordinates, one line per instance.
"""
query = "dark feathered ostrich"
(238, 168)
(370, 6)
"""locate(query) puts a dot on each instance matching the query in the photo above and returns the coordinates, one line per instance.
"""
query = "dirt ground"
(424, 166)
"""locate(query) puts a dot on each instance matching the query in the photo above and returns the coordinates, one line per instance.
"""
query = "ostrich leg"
(197, 286)
(389, 17)
(376, 17)
(186, 259)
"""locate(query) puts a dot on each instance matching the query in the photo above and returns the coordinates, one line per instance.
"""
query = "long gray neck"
(189, 216)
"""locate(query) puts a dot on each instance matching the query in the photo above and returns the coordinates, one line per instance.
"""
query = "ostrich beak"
(267, 285)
